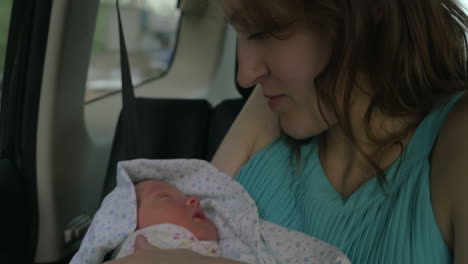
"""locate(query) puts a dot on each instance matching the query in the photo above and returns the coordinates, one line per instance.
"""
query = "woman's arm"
(145, 253)
(459, 182)
(449, 181)
(169, 256)
(254, 128)
(460, 229)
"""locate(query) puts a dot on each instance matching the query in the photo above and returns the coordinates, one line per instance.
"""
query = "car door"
(23, 33)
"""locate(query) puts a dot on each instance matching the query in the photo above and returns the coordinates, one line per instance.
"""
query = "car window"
(150, 27)
(5, 12)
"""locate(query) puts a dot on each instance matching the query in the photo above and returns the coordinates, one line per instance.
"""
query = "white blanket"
(243, 236)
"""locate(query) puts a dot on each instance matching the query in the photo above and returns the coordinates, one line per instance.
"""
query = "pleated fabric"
(391, 222)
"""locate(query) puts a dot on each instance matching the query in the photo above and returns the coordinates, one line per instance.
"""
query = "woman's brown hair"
(412, 54)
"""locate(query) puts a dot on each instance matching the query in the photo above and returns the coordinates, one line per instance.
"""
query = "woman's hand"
(145, 253)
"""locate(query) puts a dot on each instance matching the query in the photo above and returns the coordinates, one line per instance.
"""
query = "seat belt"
(133, 136)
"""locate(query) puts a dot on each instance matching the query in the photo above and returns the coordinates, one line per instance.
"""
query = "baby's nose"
(193, 201)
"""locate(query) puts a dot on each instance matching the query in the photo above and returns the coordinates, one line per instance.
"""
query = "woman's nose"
(252, 67)
(193, 201)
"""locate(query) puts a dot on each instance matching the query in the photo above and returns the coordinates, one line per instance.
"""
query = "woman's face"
(285, 69)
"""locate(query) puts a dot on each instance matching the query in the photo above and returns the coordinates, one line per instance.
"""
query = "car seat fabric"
(171, 128)
(175, 128)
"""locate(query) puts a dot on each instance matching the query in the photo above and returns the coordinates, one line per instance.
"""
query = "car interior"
(81, 91)
(65, 120)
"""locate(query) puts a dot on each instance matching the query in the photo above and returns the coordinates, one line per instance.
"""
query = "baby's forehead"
(149, 186)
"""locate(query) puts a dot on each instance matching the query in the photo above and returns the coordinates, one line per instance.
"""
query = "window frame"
(149, 79)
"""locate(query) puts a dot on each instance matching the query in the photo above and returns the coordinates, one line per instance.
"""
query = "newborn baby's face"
(161, 203)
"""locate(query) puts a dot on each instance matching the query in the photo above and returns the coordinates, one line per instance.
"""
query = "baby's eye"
(161, 196)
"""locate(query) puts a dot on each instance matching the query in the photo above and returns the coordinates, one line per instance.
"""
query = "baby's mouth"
(199, 215)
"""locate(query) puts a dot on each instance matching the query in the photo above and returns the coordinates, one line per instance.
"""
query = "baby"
(169, 219)
(159, 210)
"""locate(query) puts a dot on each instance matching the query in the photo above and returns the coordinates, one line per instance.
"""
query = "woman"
(356, 131)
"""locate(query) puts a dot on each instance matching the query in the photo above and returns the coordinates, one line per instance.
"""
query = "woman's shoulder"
(449, 168)
(452, 143)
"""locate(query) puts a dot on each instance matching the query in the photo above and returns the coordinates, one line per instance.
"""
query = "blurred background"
(151, 28)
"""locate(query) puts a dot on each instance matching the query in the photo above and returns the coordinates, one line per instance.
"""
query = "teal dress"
(370, 226)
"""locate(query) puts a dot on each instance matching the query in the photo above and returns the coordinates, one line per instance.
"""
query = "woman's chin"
(298, 132)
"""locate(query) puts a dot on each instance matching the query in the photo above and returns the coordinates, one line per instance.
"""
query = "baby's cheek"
(214, 234)
(173, 214)
(207, 233)
(180, 216)
(147, 216)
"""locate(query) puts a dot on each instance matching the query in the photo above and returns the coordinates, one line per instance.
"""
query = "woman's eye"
(258, 36)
